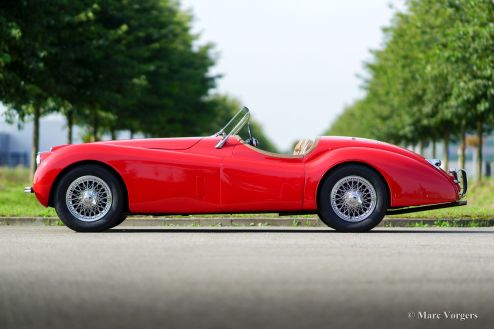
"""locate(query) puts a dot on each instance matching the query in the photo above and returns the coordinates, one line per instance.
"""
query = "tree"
(470, 52)
(24, 77)
(432, 79)
(105, 64)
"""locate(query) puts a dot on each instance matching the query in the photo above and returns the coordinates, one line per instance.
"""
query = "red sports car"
(351, 183)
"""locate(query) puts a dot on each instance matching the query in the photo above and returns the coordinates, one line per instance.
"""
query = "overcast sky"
(292, 62)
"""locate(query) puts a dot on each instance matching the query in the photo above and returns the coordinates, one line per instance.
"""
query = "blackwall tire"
(120, 221)
(353, 198)
(89, 198)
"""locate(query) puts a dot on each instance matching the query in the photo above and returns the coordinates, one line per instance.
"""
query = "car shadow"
(217, 230)
(292, 230)
(459, 230)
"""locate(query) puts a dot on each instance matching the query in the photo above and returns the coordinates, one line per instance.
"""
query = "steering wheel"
(252, 140)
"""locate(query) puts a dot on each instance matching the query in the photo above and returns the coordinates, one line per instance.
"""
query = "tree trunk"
(434, 151)
(480, 132)
(70, 126)
(421, 147)
(446, 151)
(94, 134)
(35, 149)
(113, 133)
(463, 146)
(131, 134)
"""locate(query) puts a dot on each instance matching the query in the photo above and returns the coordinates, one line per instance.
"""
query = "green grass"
(15, 203)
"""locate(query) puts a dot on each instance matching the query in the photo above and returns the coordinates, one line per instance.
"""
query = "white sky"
(292, 62)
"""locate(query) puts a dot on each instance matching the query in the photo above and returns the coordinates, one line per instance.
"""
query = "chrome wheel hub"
(88, 198)
(353, 198)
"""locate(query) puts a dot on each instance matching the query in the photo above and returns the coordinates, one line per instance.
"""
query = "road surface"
(51, 277)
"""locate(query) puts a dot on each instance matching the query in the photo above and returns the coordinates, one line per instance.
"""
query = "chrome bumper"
(460, 177)
(28, 189)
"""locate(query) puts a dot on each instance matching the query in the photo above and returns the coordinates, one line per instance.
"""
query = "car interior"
(302, 148)
(241, 119)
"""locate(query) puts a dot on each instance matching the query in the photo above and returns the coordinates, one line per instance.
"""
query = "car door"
(177, 182)
(254, 180)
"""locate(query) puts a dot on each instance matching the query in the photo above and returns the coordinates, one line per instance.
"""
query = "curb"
(258, 221)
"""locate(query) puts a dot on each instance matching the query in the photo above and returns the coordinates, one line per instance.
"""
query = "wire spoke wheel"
(88, 198)
(353, 198)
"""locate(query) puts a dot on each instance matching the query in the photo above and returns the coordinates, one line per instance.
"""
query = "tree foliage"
(107, 65)
(433, 78)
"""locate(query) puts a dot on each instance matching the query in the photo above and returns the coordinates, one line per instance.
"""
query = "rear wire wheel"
(120, 221)
(353, 198)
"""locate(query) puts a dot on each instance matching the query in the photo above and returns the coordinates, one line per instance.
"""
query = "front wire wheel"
(353, 198)
(90, 198)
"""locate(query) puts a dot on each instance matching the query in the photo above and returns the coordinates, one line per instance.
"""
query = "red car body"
(191, 175)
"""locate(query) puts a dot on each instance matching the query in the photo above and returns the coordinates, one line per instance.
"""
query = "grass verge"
(13, 201)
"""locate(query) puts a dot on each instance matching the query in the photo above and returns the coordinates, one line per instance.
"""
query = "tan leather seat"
(303, 146)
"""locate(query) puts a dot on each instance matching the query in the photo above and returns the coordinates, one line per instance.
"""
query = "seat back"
(302, 146)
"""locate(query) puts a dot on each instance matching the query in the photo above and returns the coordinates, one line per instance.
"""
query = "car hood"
(182, 143)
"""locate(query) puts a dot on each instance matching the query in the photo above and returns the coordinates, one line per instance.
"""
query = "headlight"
(40, 157)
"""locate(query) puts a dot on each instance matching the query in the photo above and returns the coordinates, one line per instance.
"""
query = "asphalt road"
(254, 278)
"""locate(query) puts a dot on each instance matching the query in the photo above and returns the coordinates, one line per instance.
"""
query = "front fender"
(156, 180)
(411, 182)
(62, 158)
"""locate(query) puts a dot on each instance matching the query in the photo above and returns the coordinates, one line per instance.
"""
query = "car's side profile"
(351, 183)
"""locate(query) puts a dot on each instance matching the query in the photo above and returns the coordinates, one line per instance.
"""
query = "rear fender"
(411, 182)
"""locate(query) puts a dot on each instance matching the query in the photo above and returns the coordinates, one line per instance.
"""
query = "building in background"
(16, 140)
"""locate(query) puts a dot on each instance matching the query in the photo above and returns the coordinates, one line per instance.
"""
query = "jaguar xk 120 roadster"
(351, 183)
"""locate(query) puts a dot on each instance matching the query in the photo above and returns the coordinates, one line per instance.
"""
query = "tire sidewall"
(110, 219)
(120, 220)
(328, 215)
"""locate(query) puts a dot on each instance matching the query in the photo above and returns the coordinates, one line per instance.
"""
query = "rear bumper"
(461, 179)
